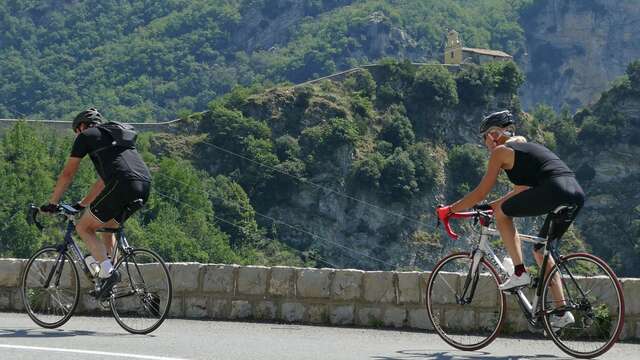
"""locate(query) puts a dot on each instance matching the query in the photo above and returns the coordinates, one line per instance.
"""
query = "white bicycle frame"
(484, 250)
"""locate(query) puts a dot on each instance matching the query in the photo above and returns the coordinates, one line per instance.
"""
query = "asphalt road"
(101, 338)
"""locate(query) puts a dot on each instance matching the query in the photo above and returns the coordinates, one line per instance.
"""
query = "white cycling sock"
(105, 269)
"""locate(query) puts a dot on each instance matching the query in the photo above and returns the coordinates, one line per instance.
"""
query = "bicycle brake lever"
(31, 216)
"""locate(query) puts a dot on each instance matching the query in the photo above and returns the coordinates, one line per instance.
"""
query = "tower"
(453, 48)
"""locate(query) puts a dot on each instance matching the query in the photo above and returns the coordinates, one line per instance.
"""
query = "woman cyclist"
(541, 181)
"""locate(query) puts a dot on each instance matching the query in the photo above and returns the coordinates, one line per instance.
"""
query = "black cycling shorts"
(544, 198)
(116, 196)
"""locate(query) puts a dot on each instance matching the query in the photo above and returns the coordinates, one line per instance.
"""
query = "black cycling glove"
(482, 207)
(49, 208)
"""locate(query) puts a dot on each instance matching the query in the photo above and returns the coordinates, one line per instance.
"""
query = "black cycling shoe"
(107, 285)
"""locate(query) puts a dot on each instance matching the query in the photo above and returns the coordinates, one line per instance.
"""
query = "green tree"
(434, 86)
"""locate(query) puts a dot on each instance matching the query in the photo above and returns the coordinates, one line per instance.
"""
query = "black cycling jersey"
(111, 162)
(552, 184)
(534, 163)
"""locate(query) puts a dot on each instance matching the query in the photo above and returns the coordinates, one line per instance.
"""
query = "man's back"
(111, 162)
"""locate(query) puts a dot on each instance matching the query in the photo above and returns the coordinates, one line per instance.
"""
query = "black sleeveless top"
(534, 163)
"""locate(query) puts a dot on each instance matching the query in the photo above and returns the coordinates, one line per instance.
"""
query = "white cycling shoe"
(514, 281)
(559, 322)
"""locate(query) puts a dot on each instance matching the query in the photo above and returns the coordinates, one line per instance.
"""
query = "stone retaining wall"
(316, 296)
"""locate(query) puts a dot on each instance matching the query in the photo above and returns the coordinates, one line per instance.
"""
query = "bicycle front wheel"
(450, 307)
(592, 294)
(140, 302)
(50, 287)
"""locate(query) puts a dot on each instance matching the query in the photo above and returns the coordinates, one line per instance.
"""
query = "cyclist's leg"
(109, 241)
(86, 228)
(508, 232)
(101, 214)
(556, 286)
(567, 191)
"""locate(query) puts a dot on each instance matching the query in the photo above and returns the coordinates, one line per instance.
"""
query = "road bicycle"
(51, 288)
(468, 310)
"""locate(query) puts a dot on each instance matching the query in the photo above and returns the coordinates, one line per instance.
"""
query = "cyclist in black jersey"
(123, 178)
(541, 181)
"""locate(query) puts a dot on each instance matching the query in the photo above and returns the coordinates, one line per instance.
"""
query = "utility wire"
(313, 256)
(304, 231)
(303, 180)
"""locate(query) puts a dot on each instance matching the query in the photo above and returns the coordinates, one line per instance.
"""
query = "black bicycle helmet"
(89, 116)
(499, 119)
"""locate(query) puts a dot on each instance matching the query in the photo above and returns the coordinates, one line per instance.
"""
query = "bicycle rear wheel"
(50, 287)
(140, 302)
(453, 319)
(594, 297)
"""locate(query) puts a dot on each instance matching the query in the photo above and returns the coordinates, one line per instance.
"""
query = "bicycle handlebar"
(63, 209)
(462, 215)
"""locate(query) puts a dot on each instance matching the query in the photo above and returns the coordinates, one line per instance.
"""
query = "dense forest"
(150, 61)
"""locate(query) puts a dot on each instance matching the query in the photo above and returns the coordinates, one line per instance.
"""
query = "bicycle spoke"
(141, 300)
(53, 305)
(456, 322)
(593, 299)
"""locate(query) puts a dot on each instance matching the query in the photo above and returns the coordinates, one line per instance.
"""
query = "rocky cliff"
(575, 48)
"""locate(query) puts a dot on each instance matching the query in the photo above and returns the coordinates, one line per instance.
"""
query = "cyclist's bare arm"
(516, 190)
(499, 157)
(64, 179)
(96, 189)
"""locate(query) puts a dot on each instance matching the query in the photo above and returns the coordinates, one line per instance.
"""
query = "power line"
(304, 231)
(313, 256)
(416, 221)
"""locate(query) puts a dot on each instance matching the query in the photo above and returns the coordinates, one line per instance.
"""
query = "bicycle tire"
(595, 321)
(438, 308)
(38, 302)
(133, 299)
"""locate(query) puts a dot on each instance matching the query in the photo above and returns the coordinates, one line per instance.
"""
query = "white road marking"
(91, 352)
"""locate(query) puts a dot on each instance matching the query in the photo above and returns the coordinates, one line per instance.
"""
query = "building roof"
(496, 53)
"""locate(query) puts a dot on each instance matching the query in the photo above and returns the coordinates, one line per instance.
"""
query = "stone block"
(154, 277)
(424, 278)
(87, 304)
(185, 276)
(637, 334)
(195, 307)
(5, 299)
(219, 278)
(460, 319)
(314, 283)
(379, 287)
(603, 289)
(282, 281)
(318, 314)
(409, 289)
(370, 316)
(16, 300)
(10, 272)
(487, 293)
(444, 286)
(515, 322)
(292, 312)
(265, 310)
(177, 307)
(631, 290)
(252, 280)
(219, 308)
(419, 319)
(341, 315)
(347, 284)
(240, 309)
(394, 316)
(487, 320)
